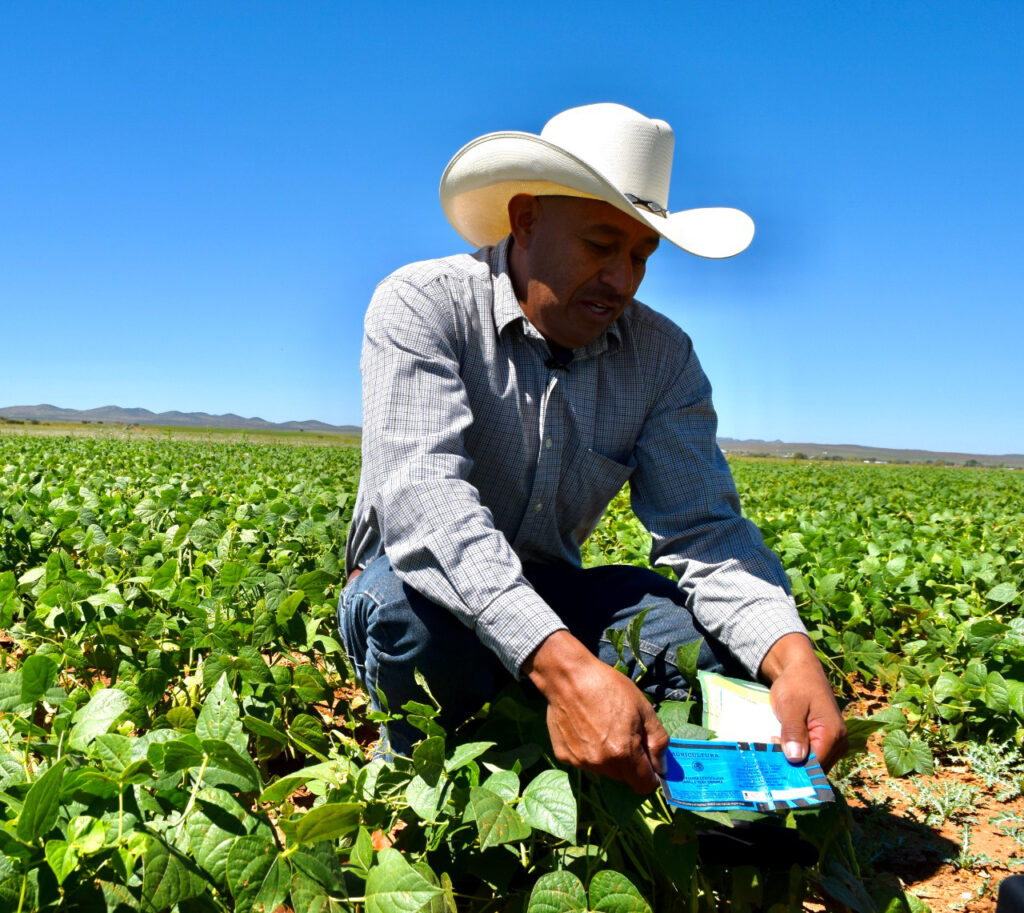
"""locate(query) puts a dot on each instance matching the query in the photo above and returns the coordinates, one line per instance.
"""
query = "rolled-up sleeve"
(683, 492)
(439, 537)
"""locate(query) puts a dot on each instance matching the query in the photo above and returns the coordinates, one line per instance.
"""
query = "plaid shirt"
(479, 453)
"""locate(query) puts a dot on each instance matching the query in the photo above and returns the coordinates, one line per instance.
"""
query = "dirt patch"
(950, 838)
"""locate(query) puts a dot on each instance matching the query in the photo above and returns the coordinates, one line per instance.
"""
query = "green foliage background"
(176, 731)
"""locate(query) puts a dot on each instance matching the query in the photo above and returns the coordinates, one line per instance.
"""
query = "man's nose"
(618, 275)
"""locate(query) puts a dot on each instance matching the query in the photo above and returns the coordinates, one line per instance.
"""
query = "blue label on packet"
(728, 776)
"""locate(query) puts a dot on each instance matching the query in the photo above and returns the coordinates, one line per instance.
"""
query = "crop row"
(178, 731)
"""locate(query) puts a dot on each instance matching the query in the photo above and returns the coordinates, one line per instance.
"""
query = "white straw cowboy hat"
(604, 152)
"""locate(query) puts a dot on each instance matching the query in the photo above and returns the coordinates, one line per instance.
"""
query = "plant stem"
(192, 798)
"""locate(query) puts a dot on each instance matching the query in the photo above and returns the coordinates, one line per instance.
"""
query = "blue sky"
(197, 199)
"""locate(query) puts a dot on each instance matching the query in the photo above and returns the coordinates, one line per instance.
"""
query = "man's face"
(576, 264)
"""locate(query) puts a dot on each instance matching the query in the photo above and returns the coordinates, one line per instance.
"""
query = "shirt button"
(538, 507)
(547, 443)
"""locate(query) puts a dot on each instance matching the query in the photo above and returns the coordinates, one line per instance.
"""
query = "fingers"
(598, 719)
(808, 714)
(829, 741)
(645, 759)
(627, 745)
(795, 740)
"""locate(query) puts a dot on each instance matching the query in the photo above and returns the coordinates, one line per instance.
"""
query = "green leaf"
(308, 733)
(315, 581)
(324, 822)
(464, 753)
(87, 834)
(633, 630)
(903, 754)
(548, 804)
(223, 756)
(37, 675)
(361, 857)
(261, 728)
(176, 754)
(613, 892)
(96, 717)
(231, 575)
(309, 685)
(162, 582)
(558, 892)
(327, 875)
(394, 886)
(503, 783)
(691, 731)
(219, 717)
(1002, 593)
(675, 716)
(212, 828)
(859, 730)
(62, 857)
(42, 804)
(167, 878)
(288, 606)
(496, 820)
(282, 788)
(687, 656)
(182, 718)
(428, 759)
(425, 800)
(997, 693)
(256, 874)
(676, 853)
(843, 885)
(947, 685)
(89, 781)
(1016, 696)
(114, 750)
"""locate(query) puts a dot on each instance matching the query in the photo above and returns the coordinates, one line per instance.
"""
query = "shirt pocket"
(589, 483)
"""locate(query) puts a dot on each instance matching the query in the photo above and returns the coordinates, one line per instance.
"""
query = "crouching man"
(508, 395)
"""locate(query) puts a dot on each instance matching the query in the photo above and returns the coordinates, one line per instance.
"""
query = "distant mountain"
(756, 447)
(117, 415)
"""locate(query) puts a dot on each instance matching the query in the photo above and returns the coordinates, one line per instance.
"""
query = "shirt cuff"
(763, 624)
(515, 624)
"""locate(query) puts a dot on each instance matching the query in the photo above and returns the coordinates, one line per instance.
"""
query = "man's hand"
(803, 701)
(598, 719)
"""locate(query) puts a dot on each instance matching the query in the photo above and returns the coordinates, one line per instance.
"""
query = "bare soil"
(949, 838)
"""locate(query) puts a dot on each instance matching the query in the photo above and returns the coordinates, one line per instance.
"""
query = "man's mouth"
(597, 308)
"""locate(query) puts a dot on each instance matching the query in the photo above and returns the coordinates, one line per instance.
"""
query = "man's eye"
(599, 247)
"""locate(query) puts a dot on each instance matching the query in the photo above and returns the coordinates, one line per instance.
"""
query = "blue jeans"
(390, 630)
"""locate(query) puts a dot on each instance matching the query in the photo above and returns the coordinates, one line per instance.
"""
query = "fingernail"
(793, 751)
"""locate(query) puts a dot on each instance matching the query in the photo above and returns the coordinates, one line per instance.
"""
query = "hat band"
(649, 205)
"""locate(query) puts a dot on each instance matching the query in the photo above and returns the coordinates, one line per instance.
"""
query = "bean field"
(179, 729)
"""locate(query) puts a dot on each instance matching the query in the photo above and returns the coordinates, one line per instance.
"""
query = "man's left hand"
(803, 701)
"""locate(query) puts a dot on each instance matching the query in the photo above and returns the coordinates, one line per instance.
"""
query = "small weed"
(998, 764)
(965, 859)
(937, 803)
(1010, 825)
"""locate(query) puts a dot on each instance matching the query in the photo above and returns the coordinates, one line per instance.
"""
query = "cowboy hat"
(604, 152)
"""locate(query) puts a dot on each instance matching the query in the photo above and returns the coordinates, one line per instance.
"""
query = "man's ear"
(523, 212)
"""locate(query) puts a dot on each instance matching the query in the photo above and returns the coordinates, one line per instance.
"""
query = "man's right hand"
(598, 719)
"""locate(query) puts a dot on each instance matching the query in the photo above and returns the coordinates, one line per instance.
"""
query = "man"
(508, 395)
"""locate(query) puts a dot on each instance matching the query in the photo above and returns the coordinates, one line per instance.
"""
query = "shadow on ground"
(887, 841)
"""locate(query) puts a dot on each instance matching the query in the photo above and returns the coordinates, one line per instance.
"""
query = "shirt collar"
(508, 311)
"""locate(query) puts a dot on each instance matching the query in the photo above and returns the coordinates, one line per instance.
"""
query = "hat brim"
(486, 173)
